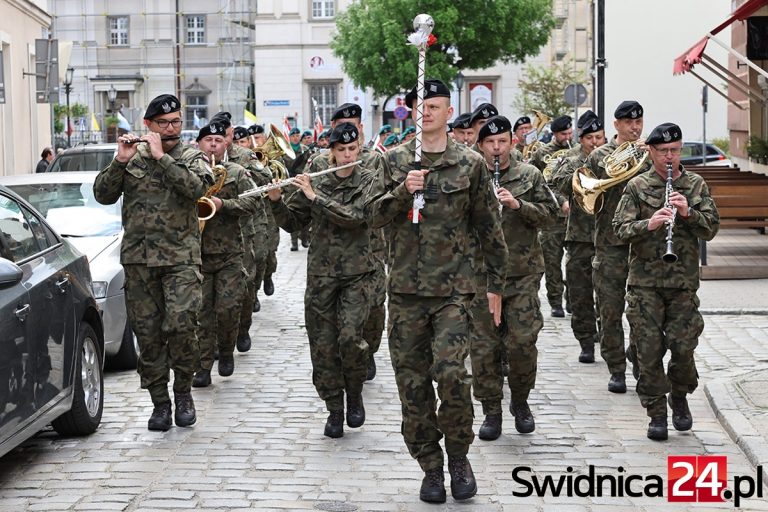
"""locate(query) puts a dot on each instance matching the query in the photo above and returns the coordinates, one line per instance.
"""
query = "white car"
(66, 201)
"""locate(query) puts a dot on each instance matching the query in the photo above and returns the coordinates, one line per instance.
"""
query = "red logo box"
(696, 478)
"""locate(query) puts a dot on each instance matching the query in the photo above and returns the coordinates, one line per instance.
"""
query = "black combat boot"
(161, 417)
(587, 353)
(256, 305)
(294, 245)
(202, 379)
(433, 486)
(463, 484)
(355, 411)
(523, 417)
(226, 364)
(657, 428)
(370, 372)
(269, 285)
(334, 427)
(185, 409)
(244, 343)
(557, 311)
(681, 414)
(490, 430)
(618, 383)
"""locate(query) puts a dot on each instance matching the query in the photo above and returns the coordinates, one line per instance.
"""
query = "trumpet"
(289, 181)
(206, 209)
(669, 255)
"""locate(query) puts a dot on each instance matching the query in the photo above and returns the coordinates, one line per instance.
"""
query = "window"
(195, 29)
(323, 9)
(17, 240)
(326, 96)
(197, 112)
(118, 30)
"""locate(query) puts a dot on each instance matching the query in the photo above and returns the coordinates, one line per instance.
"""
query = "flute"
(289, 181)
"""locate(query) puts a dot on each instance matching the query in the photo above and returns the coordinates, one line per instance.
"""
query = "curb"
(726, 311)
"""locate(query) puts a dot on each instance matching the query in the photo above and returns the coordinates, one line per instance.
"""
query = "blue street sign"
(276, 103)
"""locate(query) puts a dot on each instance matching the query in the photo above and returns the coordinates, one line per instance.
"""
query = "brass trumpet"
(540, 120)
(206, 209)
(275, 147)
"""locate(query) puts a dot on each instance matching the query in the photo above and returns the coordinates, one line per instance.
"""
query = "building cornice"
(32, 10)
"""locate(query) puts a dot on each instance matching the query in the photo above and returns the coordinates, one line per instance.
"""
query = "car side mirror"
(10, 273)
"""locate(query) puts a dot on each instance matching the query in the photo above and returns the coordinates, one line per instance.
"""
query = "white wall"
(642, 39)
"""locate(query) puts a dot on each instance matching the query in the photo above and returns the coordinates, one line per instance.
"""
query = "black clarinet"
(669, 255)
(497, 178)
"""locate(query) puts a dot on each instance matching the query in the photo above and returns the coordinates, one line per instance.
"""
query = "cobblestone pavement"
(258, 442)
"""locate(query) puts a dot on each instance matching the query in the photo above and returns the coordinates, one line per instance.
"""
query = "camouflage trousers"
(223, 287)
(302, 234)
(429, 340)
(254, 263)
(374, 324)
(335, 309)
(163, 307)
(581, 292)
(552, 240)
(661, 320)
(610, 268)
(273, 240)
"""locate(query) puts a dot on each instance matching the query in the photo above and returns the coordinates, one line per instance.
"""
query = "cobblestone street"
(258, 443)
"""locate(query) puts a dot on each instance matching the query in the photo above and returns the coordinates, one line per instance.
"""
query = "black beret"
(521, 121)
(240, 132)
(585, 118)
(344, 133)
(483, 111)
(212, 128)
(347, 111)
(560, 124)
(163, 104)
(222, 118)
(594, 126)
(255, 129)
(496, 125)
(628, 110)
(664, 133)
(462, 122)
(432, 89)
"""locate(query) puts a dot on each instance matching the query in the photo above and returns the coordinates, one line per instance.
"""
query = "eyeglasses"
(669, 151)
(163, 123)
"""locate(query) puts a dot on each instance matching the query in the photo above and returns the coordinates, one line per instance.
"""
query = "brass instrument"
(269, 153)
(289, 181)
(205, 207)
(669, 256)
(553, 160)
(540, 120)
(621, 165)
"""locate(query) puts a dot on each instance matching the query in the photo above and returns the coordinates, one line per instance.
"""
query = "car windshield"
(82, 161)
(71, 208)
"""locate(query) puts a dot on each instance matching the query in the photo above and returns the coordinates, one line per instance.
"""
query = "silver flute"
(289, 181)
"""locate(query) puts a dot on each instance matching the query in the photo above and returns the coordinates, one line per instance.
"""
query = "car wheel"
(128, 356)
(88, 402)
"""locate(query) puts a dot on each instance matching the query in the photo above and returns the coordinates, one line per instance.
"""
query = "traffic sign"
(575, 95)
(401, 113)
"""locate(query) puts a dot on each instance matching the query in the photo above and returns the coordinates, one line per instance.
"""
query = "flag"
(318, 122)
(69, 127)
(286, 127)
(122, 122)
(196, 120)
(249, 117)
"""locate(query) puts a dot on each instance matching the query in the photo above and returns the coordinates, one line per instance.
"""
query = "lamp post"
(112, 96)
(68, 76)
(459, 81)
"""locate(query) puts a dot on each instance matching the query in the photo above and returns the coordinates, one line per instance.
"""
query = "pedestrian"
(160, 181)
(528, 205)
(45, 160)
(663, 213)
(431, 284)
(340, 264)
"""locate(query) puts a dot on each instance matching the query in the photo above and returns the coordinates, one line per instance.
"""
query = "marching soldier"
(579, 238)
(322, 139)
(431, 285)
(339, 267)
(521, 128)
(553, 237)
(294, 137)
(160, 181)
(384, 132)
(241, 138)
(257, 135)
(462, 131)
(479, 117)
(610, 265)
(222, 249)
(527, 206)
(657, 210)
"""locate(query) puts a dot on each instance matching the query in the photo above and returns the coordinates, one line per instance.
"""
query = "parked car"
(66, 201)
(51, 334)
(691, 155)
(88, 157)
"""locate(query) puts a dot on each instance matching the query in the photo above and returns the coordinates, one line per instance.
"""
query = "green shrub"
(724, 143)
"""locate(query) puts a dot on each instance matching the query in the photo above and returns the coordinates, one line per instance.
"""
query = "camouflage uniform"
(522, 319)
(160, 253)
(303, 233)
(663, 309)
(431, 284)
(224, 278)
(579, 242)
(339, 267)
(610, 266)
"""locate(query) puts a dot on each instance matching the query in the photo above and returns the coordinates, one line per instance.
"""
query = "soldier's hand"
(155, 145)
(218, 203)
(304, 182)
(125, 148)
(566, 208)
(507, 199)
(659, 218)
(680, 202)
(415, 180)
(494, 307)
(275, 194)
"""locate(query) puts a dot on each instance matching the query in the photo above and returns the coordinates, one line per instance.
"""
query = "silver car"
(66, 200)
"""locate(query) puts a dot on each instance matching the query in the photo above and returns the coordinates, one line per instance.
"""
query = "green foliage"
(371, 38)
(757, 147)
(724, 143)
(542, 88)
(58, 126)
(111, 121)
(78, 110)
(59, 111)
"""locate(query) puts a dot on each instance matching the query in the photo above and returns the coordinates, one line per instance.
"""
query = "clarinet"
(669, 255)
(496, 178)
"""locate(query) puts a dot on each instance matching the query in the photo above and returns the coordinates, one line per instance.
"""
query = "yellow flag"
(249, 117)
(94, 123)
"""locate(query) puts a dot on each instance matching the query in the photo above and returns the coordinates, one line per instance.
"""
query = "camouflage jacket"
(537, 160)
(581, 225)
(644, 195)
(159, 196)
(341, 238)
(434, 258)
(223, 233)
(604, 234)
(258, 175)
(288, 161)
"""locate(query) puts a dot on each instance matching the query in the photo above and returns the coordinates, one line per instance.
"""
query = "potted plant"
(110, 123)
(757, 150)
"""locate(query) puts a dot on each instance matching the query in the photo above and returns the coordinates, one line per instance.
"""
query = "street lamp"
(112, 96)
(459, 81)
(68, 76)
